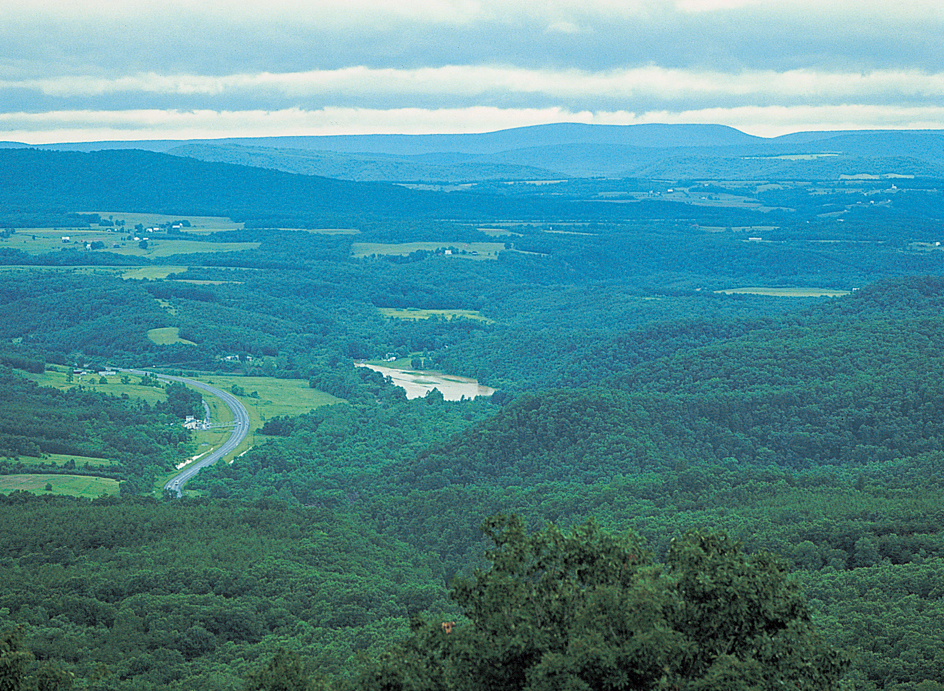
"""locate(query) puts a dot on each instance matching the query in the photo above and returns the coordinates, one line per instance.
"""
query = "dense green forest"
(756, 363)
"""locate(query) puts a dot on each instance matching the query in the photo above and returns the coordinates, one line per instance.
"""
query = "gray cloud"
(598, 58)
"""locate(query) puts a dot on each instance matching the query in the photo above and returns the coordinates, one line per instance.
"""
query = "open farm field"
(69, 485)
(739, 229)
(416, 313)
(205, 283)
(275, 396)
(498, 232)
(58, 377)
(61, 458)
(45, 240)
(81, 270)
(464, 250)
(153, 273)
(161, 247)
(325, 231)
(204, 223)
(786, 292)
(167, 336)
(791, 157)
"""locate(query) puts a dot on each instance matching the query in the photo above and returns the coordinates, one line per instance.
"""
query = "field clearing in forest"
(266, 397)
(167, 335)
(786, 292)
(463, 250)
(416, 313)
(70, 485)
(214, 224)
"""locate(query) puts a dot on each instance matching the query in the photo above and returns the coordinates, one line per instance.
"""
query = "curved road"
(240, 430)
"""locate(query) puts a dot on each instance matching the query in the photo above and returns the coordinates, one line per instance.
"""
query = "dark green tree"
(590, 610)
(14, 661)
(284, 672)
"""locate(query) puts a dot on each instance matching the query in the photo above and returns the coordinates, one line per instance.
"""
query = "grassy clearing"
(167, 336)
(153, 273)
(413, 313)
(738, 229)
(46, 240)
(81, 270)
(786, 292)
(80, 461)
(926, 246)
(70, 485)
(264, 398)
(205, 223)
(791, 157)
(275, 396)
(498, 232)
(58, 377)
(196, 282)
(325, 231)
(165, 248)
(472, 250)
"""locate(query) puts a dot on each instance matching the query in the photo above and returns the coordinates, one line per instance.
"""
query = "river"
(418, 383)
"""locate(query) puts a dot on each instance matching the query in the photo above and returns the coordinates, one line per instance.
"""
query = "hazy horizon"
(164, 69)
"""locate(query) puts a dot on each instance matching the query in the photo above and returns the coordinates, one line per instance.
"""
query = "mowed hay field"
(46, 240)
(197, 223)
(80, 461)
(155, 272)
(167, 336)
(71, 485)
(463, 250)
(786, 292)
(57, 376)
(266, 397)
(416, 313)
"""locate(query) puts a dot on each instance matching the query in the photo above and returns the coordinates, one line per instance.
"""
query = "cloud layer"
(170, 69)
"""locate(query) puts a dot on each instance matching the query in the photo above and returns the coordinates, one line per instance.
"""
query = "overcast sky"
(178, 69)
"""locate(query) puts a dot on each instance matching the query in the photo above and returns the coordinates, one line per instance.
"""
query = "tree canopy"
(586, 609)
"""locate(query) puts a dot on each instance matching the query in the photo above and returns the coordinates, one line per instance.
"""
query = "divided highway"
(240, 430)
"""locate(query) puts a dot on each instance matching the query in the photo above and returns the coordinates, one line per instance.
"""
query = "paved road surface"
(240, 430)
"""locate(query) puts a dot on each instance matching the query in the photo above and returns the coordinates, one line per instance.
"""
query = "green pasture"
(161, 247)
(275, 396)
(80, 461)
(83, 270)
(46, 240)
(264, 398)
(325, 231)
(155, 272)
(414, 313)
(58, 377)
(791, 157)
(204, 223)
(71, 485)
(739, 229)
(197, 282)
(473, 250)
(498, 232)
(167, 335)
(786, 292)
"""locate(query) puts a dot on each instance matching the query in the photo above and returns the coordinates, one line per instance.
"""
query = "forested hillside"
(708, 370)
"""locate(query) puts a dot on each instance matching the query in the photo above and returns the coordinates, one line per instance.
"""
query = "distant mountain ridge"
(570, 150)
